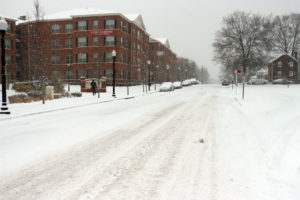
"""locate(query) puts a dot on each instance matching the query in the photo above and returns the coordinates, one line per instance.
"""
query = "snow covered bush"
(76, 94)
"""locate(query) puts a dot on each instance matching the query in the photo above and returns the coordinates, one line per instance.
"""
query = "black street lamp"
(114, 54)
(69, 77)
(3, 29)
(149, 83)
(98, 72)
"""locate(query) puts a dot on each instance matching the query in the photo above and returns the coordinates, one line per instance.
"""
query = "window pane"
(95, 41)
(69, 43)
(82, 41)
(95, 57)
(69, 28)
(69, 59)
(55, 28)
(95, 24)
(82, 25)
(110, 40)
(82, 58)
(110, 24)
(7, 44)
(108, 57)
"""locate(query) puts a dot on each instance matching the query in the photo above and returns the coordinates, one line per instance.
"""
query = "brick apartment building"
(163, 60)
(79, 43)
(10, 50)
(283, 66)
(83, 40)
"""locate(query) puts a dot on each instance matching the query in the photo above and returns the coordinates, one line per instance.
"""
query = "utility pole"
(202, 76)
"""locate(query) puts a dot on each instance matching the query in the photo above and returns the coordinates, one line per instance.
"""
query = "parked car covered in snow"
(282, 81)
(166, 86)
(257, 81)
(225, 82)
(177, 85)
(186, 82)
(193, 81)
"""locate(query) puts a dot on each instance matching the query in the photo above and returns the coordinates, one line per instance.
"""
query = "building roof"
(8, 18)
(89, 12)
(137, 18)
(283, 54)
(163, 41)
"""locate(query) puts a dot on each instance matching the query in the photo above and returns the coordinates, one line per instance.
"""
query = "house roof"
(283, 54)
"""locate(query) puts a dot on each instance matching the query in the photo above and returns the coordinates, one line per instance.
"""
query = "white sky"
(190, 25)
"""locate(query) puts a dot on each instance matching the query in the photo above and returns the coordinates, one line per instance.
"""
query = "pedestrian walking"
(93, 87)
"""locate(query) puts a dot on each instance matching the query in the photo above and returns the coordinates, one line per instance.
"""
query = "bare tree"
(36, 27)
(242, 41)
(286, 33)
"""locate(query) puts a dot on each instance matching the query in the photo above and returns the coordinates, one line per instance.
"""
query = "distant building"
(283, 66)
(163, 60)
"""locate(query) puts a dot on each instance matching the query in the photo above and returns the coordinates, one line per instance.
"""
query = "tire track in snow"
(146, 182)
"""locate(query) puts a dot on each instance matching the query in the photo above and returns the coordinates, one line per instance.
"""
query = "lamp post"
(3, 29)
(69, 77)
(98, 72)
(114, 54)
(156, 78)
(149, 83)
(179, 72)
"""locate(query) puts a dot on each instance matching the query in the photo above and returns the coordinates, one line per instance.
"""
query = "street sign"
(102, 32)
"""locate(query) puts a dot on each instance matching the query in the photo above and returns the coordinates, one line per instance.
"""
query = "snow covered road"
(149, 148)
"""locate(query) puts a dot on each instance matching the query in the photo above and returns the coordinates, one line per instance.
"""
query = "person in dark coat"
(93, 87)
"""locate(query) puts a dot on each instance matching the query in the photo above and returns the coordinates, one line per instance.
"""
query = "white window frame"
(110, 41)
(69, 28)
(82, 42)
(82, 25)
(110, 24)
(82, 58)
(55, 28)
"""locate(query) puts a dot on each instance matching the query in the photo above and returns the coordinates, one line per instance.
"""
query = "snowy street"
(149, 147)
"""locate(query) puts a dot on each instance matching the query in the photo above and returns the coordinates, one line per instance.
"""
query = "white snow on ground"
(149, 147)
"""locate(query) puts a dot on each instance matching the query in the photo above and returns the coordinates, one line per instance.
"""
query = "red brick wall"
(101, 49)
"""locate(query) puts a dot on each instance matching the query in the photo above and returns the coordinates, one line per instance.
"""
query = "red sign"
(102, 32)
(238, 71)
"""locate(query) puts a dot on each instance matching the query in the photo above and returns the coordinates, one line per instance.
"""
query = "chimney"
(296, 55)
(22, 17)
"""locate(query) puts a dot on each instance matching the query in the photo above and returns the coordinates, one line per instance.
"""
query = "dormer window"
(291, 64)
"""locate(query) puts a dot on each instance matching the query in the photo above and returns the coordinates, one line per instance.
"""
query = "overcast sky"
(190, 25)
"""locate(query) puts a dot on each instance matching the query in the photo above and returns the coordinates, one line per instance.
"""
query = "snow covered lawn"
(149, 147)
